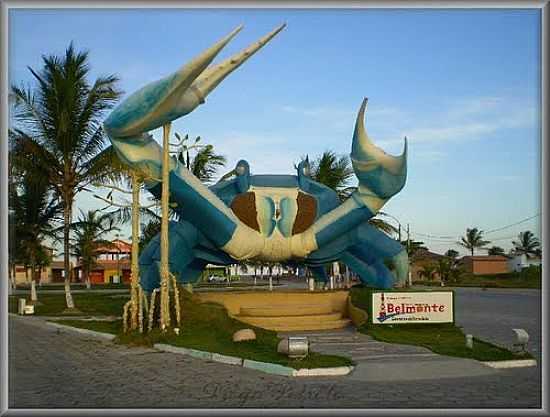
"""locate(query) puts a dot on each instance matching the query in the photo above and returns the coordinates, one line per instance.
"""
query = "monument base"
(285, 310)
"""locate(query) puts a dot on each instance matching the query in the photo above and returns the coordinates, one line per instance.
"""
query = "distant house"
(113, 264)
(420, 259)
(51, 273)
(519, 262)
(485, 265)
(57, 271)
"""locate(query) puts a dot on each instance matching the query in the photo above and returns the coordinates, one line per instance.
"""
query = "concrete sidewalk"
(379, 361)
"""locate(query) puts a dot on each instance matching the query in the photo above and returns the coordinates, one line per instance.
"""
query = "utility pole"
(408, 238)
(408, 251)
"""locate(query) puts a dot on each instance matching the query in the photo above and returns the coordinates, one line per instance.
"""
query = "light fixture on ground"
(293, 346)
(469, 341)
(522, 339)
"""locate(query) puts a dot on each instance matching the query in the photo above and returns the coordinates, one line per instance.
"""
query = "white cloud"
(477, 119)
(462, 119)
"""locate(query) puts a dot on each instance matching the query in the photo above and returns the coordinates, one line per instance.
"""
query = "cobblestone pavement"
(60, 369)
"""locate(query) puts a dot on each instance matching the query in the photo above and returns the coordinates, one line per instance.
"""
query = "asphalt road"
(492, 314)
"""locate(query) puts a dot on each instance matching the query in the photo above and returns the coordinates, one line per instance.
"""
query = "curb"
(267, 367)
(86, 332)
(336, 371)
(519, 363)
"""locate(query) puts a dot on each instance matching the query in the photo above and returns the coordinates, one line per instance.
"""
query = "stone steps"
(323, 325)
(286, 310)
(293, 317)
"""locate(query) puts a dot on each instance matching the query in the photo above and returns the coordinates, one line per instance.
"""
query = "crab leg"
(380, 177)
(163, 101)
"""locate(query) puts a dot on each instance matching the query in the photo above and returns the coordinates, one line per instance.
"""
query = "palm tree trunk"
(164, 268)
(86, 277)
(134, 293)
(67, 218)
(33, 278)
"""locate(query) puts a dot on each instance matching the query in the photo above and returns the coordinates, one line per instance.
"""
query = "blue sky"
(462, 85)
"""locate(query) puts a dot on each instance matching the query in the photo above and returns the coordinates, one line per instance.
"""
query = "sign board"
(412, 307)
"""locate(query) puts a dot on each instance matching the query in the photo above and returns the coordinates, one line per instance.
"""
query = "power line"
(455, 238)
(513, 224)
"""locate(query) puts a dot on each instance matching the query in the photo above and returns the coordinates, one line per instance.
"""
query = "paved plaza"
(50, 368)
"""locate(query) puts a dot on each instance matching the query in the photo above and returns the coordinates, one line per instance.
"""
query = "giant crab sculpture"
(280, 218)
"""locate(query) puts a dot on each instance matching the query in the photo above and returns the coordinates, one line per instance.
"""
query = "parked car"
(217, 278)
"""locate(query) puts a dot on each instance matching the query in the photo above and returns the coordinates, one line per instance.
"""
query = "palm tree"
(89, 230)
(333, 171)
(452, 254)
(204, 165)
(413, 246)
(527, 244)
(428, 271)
(473, 240)
(443, 268)
(60, 124)
(148, 231)
(34, 212)
(496, 250)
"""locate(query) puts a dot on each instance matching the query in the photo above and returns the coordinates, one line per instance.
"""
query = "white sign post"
(412, 307)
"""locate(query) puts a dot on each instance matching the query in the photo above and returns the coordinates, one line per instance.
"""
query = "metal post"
(408, 252)
(408, 238)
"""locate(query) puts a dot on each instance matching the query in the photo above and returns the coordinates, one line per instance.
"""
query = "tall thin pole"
(164, 269)
(408, 239)
(408, 251)
(135, 252)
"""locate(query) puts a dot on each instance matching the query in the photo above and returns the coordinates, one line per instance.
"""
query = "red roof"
(117, 246)
(109, 263)
(424, 254)
(486, 258)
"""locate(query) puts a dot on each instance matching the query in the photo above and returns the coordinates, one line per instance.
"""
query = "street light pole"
(398, 223)
(408, 251)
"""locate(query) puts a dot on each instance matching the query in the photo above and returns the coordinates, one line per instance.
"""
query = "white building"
(519, 262)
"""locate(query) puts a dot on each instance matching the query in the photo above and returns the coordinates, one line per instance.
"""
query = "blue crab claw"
(178, 94)
(381, 173)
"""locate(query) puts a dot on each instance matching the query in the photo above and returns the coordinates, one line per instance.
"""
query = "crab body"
(289, 219)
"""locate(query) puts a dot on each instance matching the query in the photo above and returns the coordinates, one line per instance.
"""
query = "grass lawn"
(206, 326)
(74, 286)
(444, 339)
(88, 304)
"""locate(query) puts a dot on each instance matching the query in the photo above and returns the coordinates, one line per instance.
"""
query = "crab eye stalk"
(381, 173)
